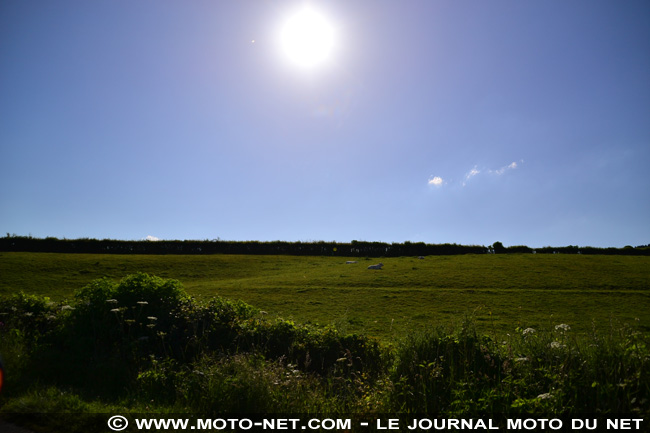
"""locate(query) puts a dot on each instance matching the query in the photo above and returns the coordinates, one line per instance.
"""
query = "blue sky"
(435, 121)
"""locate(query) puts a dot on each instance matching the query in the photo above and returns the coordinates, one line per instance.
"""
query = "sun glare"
(307, 38)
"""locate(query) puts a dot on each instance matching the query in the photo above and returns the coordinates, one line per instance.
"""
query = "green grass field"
(501, 292)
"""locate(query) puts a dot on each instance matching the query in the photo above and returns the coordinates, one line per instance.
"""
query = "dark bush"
(116, 331)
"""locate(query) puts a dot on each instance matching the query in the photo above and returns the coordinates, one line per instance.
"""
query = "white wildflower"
(143, 303)
(29, 314)
(563, 327)
(528, 331)
(67, 308)
(544, 396)
(524, 359)
(557, 345)
(152, 318)
(111, 301)
(115, 310)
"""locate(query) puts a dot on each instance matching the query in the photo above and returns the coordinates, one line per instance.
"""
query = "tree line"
(316, 248)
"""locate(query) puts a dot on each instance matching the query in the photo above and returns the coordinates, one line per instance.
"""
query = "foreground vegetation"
(145, 345)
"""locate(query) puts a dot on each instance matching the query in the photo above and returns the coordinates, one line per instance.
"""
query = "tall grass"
(547, 371)
(144, 343)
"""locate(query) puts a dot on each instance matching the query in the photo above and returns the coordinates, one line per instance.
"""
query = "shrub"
(109, 332)
(323, 351)
(30, 315)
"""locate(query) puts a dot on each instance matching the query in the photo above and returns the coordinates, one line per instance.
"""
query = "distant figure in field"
(377, 266)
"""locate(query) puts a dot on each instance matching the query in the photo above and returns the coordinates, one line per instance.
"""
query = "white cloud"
(502, 170)
(151, 238)
(436, 181)
(473, 172)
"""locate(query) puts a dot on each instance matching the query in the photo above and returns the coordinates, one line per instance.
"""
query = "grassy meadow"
(463, 336)
(500, 292)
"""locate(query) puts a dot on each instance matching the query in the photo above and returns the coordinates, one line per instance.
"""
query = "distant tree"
(498, 248)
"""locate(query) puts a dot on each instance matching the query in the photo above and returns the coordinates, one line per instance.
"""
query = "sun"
(307, 38)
